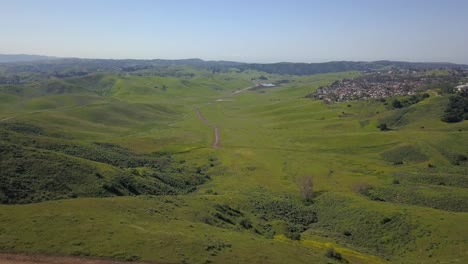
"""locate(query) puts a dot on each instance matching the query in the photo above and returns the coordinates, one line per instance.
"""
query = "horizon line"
(214, 60)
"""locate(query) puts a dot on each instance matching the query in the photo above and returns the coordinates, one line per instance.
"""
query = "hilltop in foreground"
(221, 162)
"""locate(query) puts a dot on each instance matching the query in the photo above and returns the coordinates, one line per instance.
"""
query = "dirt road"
(8, 118)
(44, 259)
(244, 89)
(202, 118)
(217, 138)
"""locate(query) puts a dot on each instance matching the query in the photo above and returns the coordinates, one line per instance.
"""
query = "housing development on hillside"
(377, 85)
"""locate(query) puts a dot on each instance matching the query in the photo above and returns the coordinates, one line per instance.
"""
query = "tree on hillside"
(457, 108)
(306, 186)
(397, 104)
(383, 127)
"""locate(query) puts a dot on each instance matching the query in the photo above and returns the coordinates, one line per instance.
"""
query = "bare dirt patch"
(7, 258)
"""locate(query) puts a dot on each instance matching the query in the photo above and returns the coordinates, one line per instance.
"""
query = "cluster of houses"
(363, 88)
(378, 85)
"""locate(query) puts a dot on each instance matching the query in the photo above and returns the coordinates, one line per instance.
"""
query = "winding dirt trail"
(244, 89)
(5, 119)
(202, 118)
(217, 138)
(6, 258)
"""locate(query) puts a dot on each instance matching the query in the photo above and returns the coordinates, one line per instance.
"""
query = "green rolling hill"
(117, 164)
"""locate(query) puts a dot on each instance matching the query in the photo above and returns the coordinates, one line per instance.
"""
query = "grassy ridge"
(342, 148)
(397, 195)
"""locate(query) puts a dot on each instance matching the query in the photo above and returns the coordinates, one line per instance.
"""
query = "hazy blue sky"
(253, 31)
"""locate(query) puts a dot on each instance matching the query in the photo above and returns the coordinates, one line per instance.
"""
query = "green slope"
(396, 196)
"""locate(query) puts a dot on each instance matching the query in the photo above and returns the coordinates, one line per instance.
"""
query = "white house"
(462, 87)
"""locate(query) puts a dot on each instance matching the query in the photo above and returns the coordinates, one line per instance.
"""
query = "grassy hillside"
(124, 168)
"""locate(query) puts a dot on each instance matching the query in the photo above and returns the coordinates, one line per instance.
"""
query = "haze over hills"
(5, 58)
(43, 64)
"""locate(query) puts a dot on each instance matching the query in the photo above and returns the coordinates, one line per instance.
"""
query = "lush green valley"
(119, 164)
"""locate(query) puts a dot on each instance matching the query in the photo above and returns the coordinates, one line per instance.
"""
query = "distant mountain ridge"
(44, 64)
(6, 58)
(340, 66)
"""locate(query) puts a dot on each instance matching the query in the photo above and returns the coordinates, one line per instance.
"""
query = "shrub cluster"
(297, 216)
(457, 108)
(413, 99)
(39, 174)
